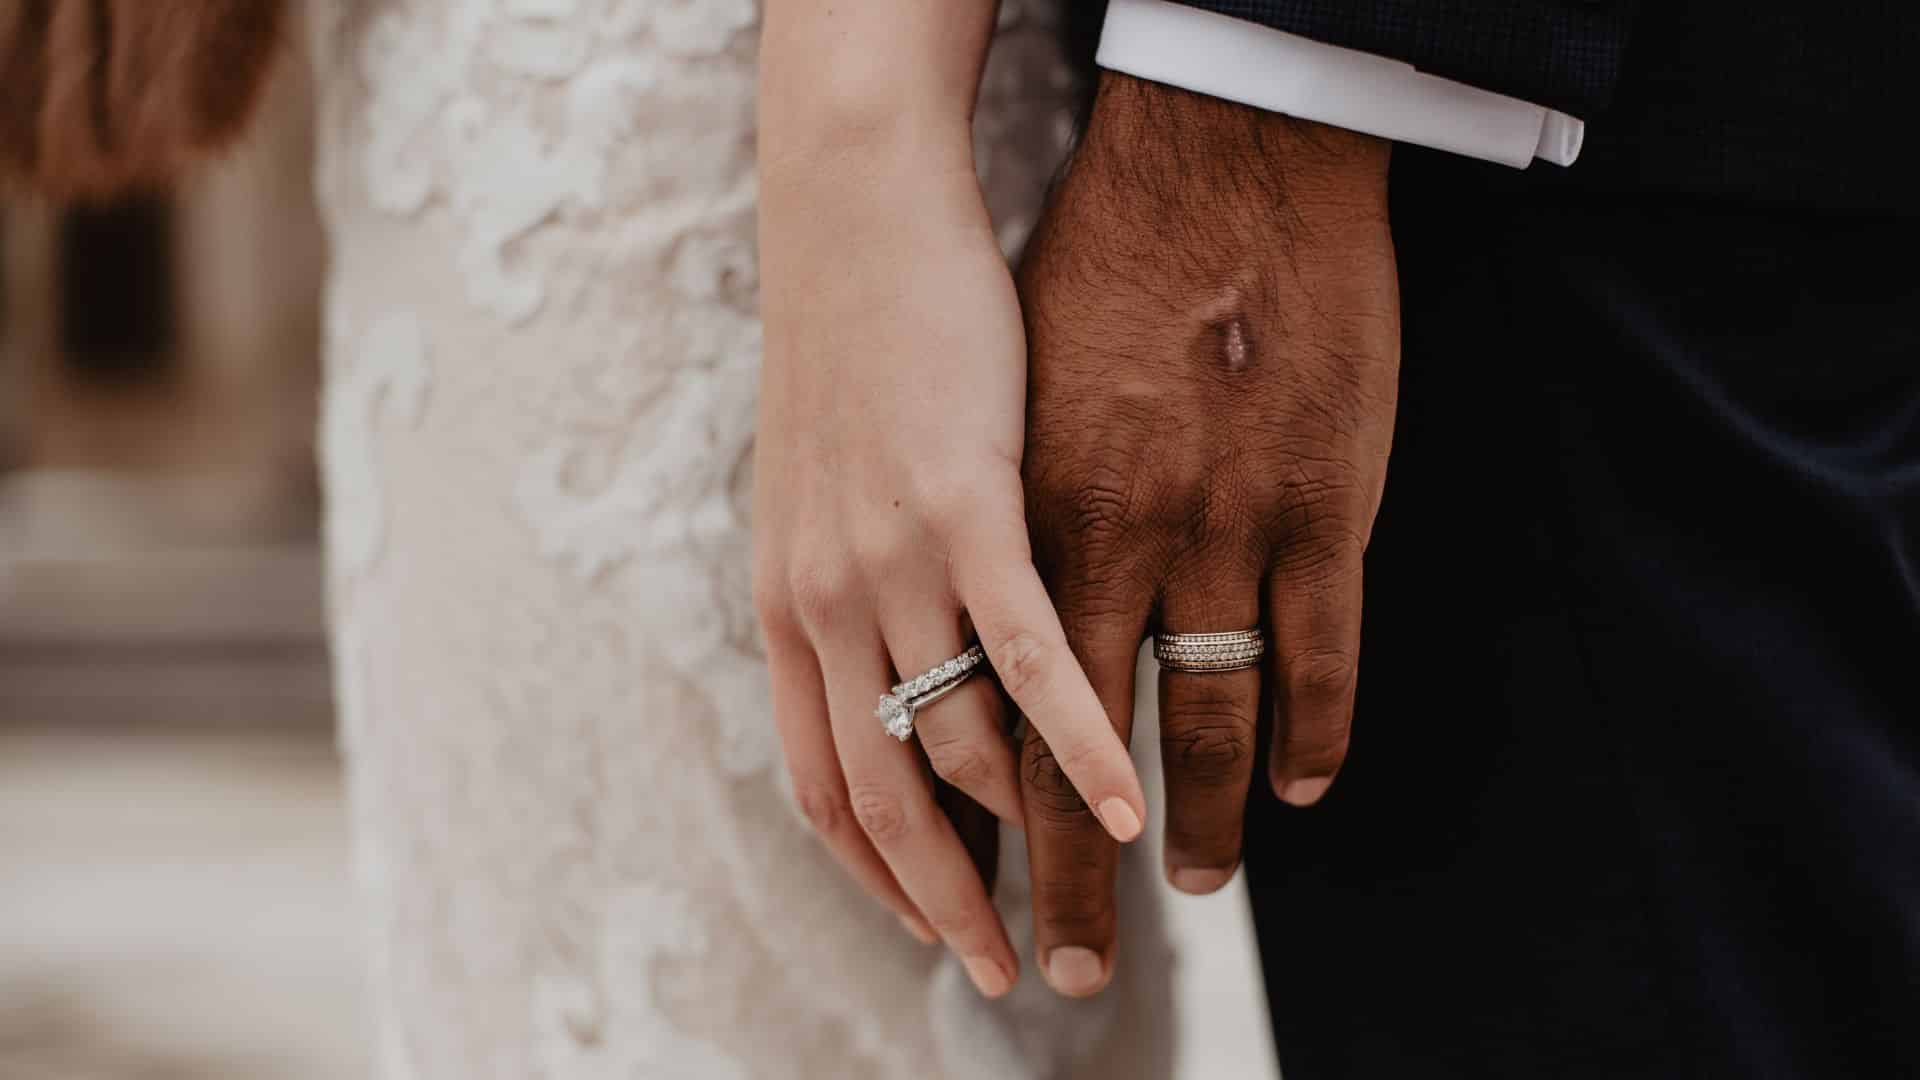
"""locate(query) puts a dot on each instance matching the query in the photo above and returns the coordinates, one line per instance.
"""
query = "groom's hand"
(1213, 317)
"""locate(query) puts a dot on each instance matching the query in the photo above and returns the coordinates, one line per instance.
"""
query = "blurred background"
(174, 895)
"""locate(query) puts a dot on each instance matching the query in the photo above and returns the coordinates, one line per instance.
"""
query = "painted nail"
(919, 930)
(1074, 971)
(1119, 819)
(988, 977)
(1198, 880)
(1305, 790)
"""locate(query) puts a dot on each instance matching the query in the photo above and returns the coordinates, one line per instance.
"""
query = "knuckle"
(1050, 791)
(823, 808)
(1076, 757)
(1020, 662)
(1091, 506)
(820, 591)
(952, 499)
(882, 813)
(958, 761)
(968, 927)
(881, 549)
(1101, 604)
(1081, 908)
(1209, 750)
(770, 597)
(1323, 517)
(1320, 679)
(960, 928)
(1204, 512)
(1100, 511)
(1329, 551)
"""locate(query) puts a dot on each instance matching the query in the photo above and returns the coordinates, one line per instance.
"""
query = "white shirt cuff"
(1256, 65)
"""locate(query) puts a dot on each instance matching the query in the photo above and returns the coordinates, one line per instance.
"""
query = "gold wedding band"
(1202, 653)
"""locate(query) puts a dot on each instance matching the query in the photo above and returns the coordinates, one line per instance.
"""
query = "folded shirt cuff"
(1256, 65)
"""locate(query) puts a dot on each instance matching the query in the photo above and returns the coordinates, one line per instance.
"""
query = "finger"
(1314, 607)
(979, 830)
(892, 799)
(1207, 726)
(806, 739)
(1072, 860)
(964, 733)
(1031, 656)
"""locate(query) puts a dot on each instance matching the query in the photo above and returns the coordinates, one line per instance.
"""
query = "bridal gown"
(578, 853)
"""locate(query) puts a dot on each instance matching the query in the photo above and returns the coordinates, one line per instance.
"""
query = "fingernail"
(1305, 790)
(988, 977)
(1074, 971)
(1199, 880)
(1119, 819)
(920, 930)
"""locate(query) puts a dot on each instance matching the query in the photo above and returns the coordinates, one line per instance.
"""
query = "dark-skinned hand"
(1213, 323)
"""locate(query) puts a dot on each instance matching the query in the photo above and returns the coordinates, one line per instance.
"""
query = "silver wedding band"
(898, 706)
(1203, 653)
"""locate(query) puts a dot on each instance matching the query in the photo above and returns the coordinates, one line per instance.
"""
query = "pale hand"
(890, 530)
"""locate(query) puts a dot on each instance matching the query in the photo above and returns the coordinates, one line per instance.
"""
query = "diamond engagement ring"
(898, 705)
(1210, 652)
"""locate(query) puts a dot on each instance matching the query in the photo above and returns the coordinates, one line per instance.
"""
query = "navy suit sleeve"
(1561, 53)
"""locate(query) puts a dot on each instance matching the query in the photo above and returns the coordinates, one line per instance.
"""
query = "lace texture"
(577, 854)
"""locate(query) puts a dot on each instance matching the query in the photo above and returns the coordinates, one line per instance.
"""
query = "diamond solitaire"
(895, 716)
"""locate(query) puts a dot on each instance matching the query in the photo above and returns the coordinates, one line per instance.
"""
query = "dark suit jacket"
(1802, 104)
(1673, 390)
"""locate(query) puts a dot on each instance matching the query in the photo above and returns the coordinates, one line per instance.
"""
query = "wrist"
(833, 140)
(881, 84)
(824, 160)
(1188, 148)
(856, 218)
(1202, 221)
(839, 169)
(851, 195)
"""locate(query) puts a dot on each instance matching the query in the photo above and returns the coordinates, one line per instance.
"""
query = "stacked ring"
(898, 706)
(1210, 652)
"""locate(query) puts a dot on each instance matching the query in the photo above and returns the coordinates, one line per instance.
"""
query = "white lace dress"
(578, 853)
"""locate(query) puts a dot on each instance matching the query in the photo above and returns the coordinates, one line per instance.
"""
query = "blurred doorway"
(174, 894)
(158, 508)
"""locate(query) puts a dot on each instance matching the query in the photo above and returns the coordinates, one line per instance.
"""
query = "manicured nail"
(920, 929)
(1119, 819)
(1305, 790)
(1074, 971)
(1199, 881)
(988, 977)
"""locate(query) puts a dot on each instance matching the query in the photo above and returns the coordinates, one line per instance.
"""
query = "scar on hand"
(1235, 349)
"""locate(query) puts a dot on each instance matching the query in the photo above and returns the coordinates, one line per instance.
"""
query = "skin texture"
(1213, 321)
(106, 95)
(889, 519)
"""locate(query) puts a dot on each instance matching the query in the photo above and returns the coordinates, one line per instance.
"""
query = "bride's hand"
(888, 508)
